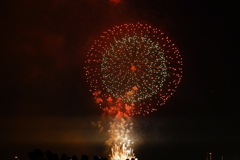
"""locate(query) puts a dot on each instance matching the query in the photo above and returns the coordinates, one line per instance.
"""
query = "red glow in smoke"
(115, 1)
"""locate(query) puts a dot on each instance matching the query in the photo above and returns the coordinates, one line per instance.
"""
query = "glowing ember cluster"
(131, 67)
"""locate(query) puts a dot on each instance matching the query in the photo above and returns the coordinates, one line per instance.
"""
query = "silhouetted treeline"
(38, 154)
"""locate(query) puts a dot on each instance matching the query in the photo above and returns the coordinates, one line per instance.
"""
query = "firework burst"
(132, 68)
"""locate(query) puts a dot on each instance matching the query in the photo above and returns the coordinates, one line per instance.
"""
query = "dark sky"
(45, 102)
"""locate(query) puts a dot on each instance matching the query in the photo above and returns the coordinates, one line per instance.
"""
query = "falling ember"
(135, 88)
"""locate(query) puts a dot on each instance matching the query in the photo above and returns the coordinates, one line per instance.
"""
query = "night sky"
(45, 102)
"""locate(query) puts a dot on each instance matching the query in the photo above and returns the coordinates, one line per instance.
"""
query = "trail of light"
(120, 141)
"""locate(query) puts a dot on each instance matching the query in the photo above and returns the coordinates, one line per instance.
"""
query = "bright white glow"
(120, 142)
